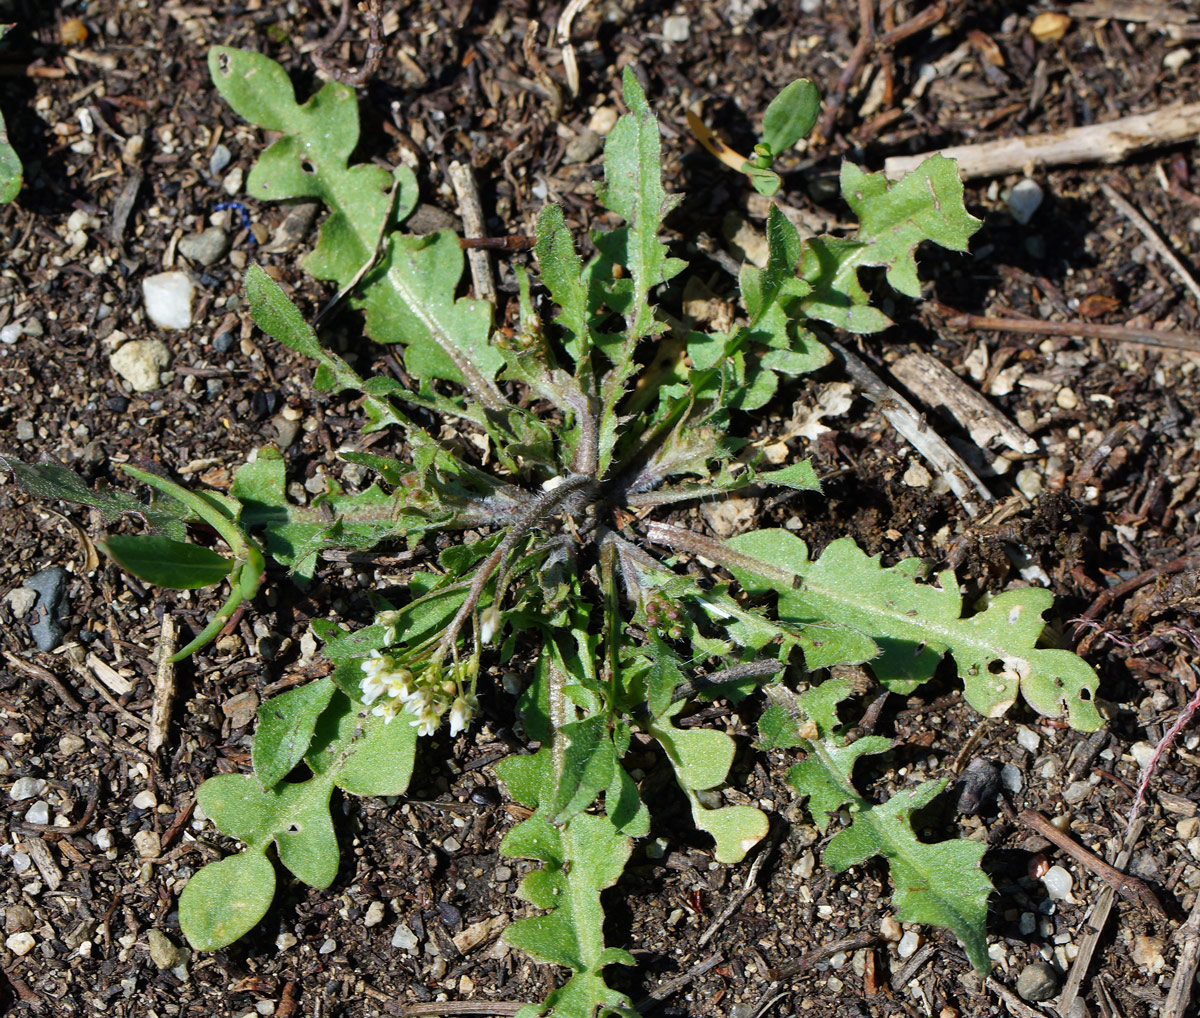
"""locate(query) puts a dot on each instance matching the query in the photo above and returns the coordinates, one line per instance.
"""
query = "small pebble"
(1067, 399)
(223, 342)
(220, 158)
(11, 333)
(148, 844)
(164, 952)
(1077, 791)
(1037, 982)
(1058, 883)
(1177, 58)
(908, 944)
(1027, 923)
(328, 947)
(145, 799)
(18, 918)
(890, 929)
(404, 938)
(1028, 738)
(50, 585)
(25, 431)
(27, 788)
(1024, 200)
(21, 862)
(168, 297)
(375, 912)
(20, 943)
(286, 940)
(102, 839)
(1147, 953)
(1011, 778)
(205, 248)
(38, 813)
(676, 28)
(603, 120)
(69, 745)
(584, 147)
(140, 362)
(502, 874)
(1142, 753)
(451, 845)
(232, 183)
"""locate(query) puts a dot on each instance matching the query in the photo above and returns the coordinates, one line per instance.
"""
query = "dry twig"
(1152, 237)
(1110, 142)
(1130, 888)
(164, 687)
(355, 79)
(1180, 992)
(465, 189)
(955, 319)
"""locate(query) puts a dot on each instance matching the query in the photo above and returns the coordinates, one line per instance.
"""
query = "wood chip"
(938, 386)
(1110, 142)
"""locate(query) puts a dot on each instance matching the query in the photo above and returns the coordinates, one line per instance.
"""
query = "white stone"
(676, 28)
(1058, 883)
(38, 813)
(1011, 778)
(146, 799)
(1177, 58)
(286, 940)
(328, 946)
(908, 944)
(139, 363)
(374, 914)
(11, 333)
(69, 745)
(20, 943)
(1029, 481)
(102, 839)
(1028, 738)
(603, 120)
(148, 844)
(27, 788)
(1142, 753)
(890, 929)
(404, 938)
(168, 297)
(1024, 200)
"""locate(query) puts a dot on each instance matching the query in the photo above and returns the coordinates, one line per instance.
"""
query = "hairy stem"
(679, 539)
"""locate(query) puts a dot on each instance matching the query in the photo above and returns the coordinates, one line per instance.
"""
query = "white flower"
(387, 710)
(461, 712)
(426, 723)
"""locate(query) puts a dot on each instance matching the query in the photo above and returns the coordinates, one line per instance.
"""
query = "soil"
(117, 129)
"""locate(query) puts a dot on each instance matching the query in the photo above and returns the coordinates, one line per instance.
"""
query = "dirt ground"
(122, 135)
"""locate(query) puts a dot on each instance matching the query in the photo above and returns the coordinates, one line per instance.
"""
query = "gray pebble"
(584, 147)
(38, 813)
(164, 952)
(220, 158)
(18, 919)
(50, 585)
(205, 248)
(27, 788)
(25, 431)
(223, 342)
(1037, 982)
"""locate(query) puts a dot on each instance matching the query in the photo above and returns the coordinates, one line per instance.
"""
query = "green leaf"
(50, 480)
(588, 763)
(360, 753)
(409, 293)
(10, 168)
(285, 729)
(702, 758)
(939, 883)
(562, 274)
(894, 217)
(915, 622)
(581, 860)
(791, 115)
(167, 563)
(226, 899)
(765, 182)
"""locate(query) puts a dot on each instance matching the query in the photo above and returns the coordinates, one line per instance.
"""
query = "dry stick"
(164, 687)
(671, 986)
(1014, 1003)
(371, 11)
(1128, 887)
(938, 386)
(955, 319)
(1110, 142)
(1185, 968)
(866, 42)
(819, 954)
(1152, 237)
(1146, 13)
(463, 181)
(912, 426)
(1110, 595)
(563, 32)
(1095, 923)
(46, 676)
(903, 976)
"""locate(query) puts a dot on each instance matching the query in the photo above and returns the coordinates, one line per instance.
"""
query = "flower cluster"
(428, 697)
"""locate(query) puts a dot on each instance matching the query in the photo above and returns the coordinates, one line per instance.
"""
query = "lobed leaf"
(939, 883)
(358, 752)
(915, 623)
